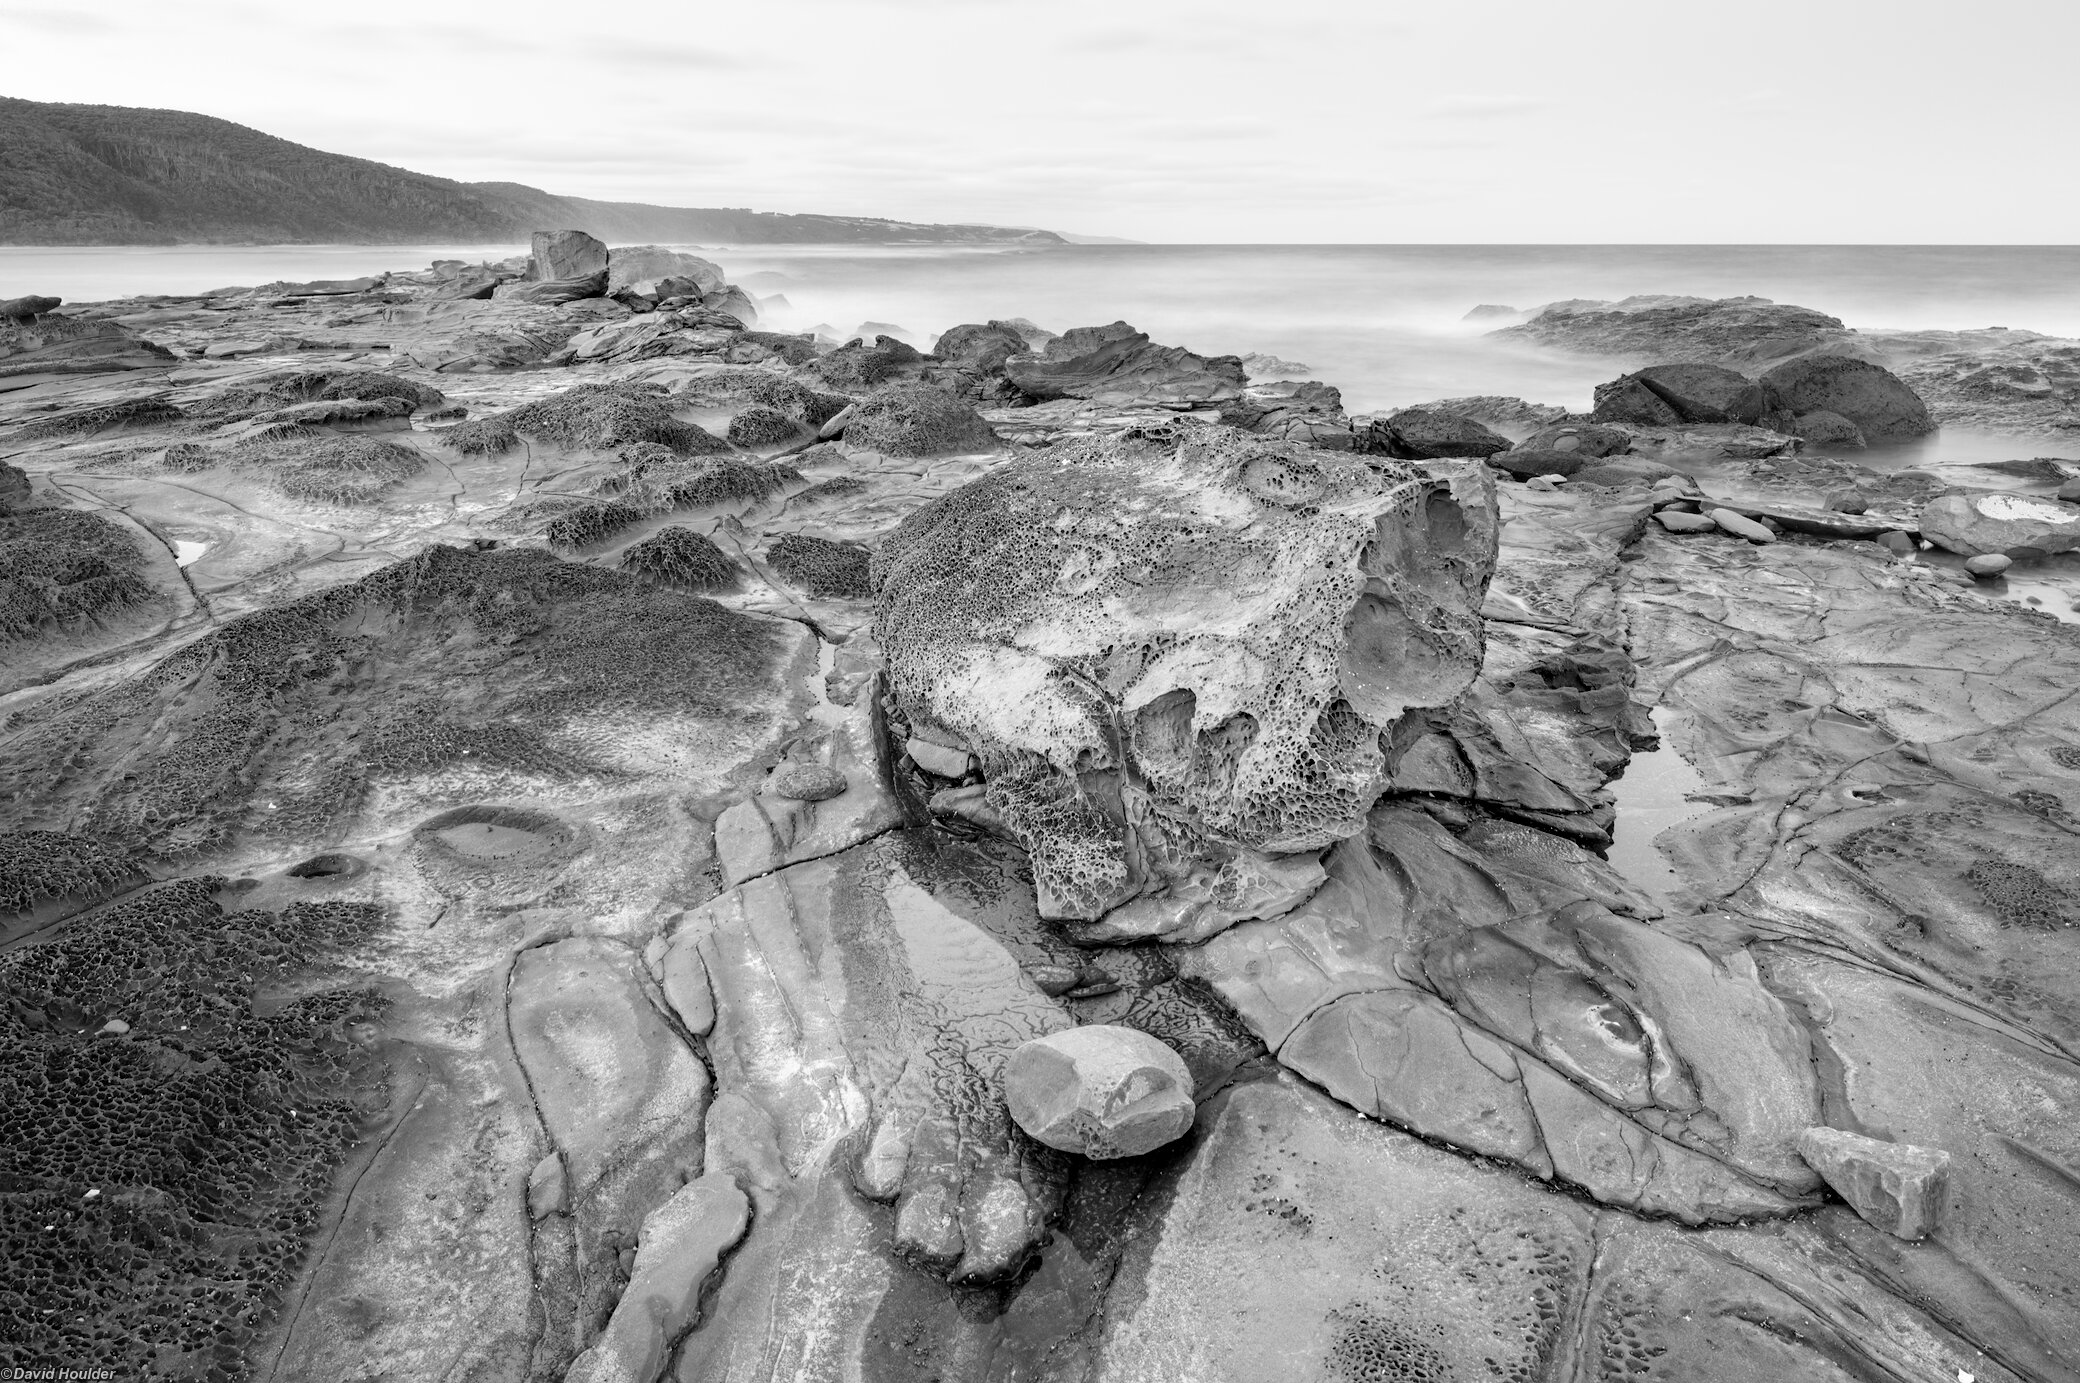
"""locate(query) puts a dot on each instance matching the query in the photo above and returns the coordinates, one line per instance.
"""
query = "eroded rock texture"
(1178, 659)
(435, 943)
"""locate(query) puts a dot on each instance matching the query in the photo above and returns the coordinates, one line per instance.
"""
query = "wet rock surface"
(499, 880)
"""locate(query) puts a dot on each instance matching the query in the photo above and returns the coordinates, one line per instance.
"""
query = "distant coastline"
(83, 175)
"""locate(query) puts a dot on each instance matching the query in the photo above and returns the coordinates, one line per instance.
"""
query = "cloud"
(1488, 107)
(58, 21)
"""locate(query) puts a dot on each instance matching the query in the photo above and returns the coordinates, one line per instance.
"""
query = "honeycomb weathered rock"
(1177, 659)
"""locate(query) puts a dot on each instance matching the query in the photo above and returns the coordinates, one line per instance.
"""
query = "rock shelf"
(540, 820)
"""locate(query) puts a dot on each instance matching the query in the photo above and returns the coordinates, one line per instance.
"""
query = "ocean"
(1384, 323)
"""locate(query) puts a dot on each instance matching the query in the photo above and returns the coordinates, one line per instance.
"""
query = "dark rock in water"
(567, 254)
(1488, 312)
(917, 420)
(1117, 364)
(1877, 401)
(1418, 433)
(759, 426)
(1973, 522)
(1824, 428)
(1737, 333)
(836, 570)
(1898, 541)
(24, 309)
(1156, 535)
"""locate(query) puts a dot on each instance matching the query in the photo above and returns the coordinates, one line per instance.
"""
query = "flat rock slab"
(681, 1245)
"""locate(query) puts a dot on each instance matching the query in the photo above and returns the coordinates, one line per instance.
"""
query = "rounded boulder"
(1099, 1090)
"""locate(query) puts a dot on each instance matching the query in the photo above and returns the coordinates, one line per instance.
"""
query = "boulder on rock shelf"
(1898, 1187)
(631, 265)
(982, 347)
(1872, 398)
(916, 420)
(1424, 433)
(1971, 523)
(1176, 655)
(1992, 564)
(1117, 364)
(23, 309)
(1686, 392)
(1579, 439)
(1100, 1090)
(567, 254)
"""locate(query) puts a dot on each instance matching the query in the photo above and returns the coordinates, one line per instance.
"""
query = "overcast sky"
(1163, 120)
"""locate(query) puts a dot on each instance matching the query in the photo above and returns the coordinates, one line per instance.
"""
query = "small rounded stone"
(1100, 1090)
(808, 783)
(1990, 564)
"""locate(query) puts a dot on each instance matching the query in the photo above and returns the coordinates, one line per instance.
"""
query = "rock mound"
(1117, 364)
(589, 417)
(1733, 332)
(675, 556)
(822, 567)
(1177, 659)
(64, 567)
(917, 420)
(1877, 401)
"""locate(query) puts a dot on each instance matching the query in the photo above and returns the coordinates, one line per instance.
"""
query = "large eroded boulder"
(1121, 365)
(1177, 658)
(630, 265)
(1669, 395)
(1876, 400)
(1997, 521)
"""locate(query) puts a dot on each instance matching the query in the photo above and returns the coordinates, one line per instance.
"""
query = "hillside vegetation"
(118, 175)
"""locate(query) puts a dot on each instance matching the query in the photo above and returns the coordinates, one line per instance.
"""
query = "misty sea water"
(1383, 323)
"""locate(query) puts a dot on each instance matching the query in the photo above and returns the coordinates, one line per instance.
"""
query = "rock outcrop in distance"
(119, 175)
(552, 833)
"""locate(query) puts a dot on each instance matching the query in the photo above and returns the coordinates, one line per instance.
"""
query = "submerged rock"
(1213, 632)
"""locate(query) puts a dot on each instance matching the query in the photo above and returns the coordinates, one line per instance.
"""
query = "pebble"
(1741, 526)
(1991, 564)
(1054, 979)
(114, 1027)
(808, 783)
